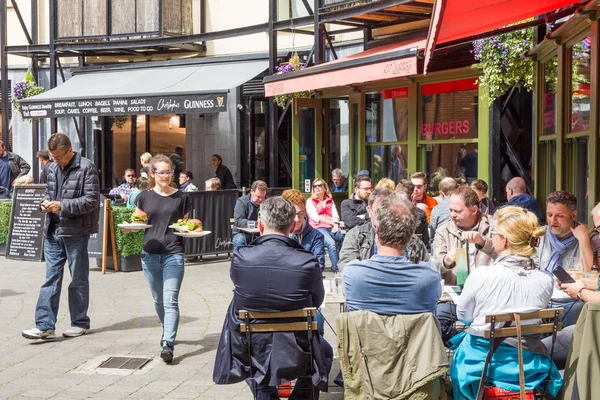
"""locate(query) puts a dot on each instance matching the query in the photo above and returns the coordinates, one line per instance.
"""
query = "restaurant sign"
(179, 104)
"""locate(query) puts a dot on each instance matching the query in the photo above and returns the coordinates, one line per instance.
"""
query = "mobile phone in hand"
(563, 275)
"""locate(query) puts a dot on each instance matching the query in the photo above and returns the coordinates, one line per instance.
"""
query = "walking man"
(72, 203)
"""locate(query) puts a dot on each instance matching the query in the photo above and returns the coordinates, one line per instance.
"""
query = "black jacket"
(243, 212)
(224, 175)
(351, 210)
(18, 166)
(422, 226)
(528, 202)
(80, 200)
(273, 274)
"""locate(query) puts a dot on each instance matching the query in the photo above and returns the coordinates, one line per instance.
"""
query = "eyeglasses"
(301, 214)
(164, 173)
(370, 189)
(318, 185)
(494, 233)
(54, 158)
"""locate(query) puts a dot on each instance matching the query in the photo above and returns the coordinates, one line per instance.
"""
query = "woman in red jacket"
(323, 216)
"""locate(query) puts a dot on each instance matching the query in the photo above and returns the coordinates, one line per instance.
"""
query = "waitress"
(162, 258)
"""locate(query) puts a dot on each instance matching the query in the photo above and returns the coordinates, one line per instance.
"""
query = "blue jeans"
(572, 310)
(58, 251)
(331, 242)
(164, 274)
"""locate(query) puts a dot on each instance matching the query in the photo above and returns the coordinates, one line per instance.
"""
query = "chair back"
(498, 335)
(285, 321)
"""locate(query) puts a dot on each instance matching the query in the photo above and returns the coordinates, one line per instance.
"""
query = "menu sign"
(26, 231)
(180, 104)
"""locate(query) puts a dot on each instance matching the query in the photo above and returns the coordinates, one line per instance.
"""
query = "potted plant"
(24, 89)
(5, 207)
(129, 245)
(294, 64)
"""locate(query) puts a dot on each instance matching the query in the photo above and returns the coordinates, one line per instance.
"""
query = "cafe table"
(254, 231)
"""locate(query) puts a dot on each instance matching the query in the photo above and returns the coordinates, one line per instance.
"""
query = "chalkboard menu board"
(95, 242)
(26, 231)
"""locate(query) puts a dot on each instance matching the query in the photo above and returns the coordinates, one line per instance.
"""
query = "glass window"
(580, 85)
(387, 162)
(339, 131)
(395, 120)
(549, 96)
(259, 120)
(166, 134)
(449, 110)
(140, 141)
(306, 142)
(373, 101)
(576, 172)
(547, 162)
(458, 160)
(121, 129)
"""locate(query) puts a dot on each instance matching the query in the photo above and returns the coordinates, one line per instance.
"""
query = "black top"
(163, 211)
(224, 175)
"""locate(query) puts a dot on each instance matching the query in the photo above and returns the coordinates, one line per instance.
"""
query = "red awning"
(459, 19)
(384, 62)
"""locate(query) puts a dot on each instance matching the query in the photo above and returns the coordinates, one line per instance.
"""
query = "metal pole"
(273, 165)
(35, 125)
(52, 54)
(318, 36)
(3, 75)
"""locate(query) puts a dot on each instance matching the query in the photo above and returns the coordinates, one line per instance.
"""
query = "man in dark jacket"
(310, 238)
(177, 160)
(246, 209)
(274, 274)
(72, 202)
(12, 166)
(516, 194)
(354, 210)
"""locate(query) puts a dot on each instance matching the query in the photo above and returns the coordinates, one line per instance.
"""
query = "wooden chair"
(498, 335)
(287, 321)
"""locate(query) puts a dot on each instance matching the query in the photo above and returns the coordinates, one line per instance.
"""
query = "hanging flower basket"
(294, 64)
(120, 120)
(24, 89)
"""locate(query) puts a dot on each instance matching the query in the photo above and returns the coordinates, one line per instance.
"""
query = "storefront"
(566, 92)
(149, 108)
(376, 110)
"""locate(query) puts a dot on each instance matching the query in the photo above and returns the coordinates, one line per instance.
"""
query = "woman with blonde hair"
(145, 161)
(512, 284)
(323, 216)
(386, 183)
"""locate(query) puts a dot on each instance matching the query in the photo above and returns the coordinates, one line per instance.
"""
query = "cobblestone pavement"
(123, 324)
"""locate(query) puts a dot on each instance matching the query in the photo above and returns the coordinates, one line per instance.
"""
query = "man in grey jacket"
(12, 166)
(359, 243)
(72, 202)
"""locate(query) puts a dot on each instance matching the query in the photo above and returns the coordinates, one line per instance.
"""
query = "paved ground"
(123, 324)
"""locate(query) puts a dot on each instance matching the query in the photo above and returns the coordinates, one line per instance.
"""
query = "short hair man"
(360, 244)
(185, 182)
(441, 212)
(420, 198)
(177, 160)
(212, 184)
(516, 194)
(467, 224)
(72, 201)
(44, 159)
(340, 183)
(12, 166)
(125, 189)
(354, 209)
(274, 274)
(406, 189)
(246, 209)
(310, 239)
(565, 241)
(388, 282)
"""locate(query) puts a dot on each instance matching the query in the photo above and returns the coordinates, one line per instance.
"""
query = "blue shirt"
(5, 176)
(391, 285)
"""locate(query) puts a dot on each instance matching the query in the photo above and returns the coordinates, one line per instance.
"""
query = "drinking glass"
(251, 224)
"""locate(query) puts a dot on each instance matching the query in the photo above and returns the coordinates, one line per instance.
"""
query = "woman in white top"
(513, 283)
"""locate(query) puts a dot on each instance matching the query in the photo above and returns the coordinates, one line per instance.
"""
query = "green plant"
(120, 120)
(128, 244)
(24, 89)
(5, 208)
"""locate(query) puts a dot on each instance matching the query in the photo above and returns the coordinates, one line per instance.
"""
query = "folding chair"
(498, 335)
(253, 322)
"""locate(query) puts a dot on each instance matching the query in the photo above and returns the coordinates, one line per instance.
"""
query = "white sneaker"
(75, 331)
(35, 333)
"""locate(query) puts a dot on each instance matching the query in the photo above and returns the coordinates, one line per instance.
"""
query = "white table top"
(254, 231)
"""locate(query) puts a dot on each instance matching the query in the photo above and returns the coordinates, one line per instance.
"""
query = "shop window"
(547, 162)
(549, 96)
(373, 101)
(458, 160)
(259, 137)
(579, 110)
(140, 141)
(449, 110)
(306, 142)
(577, 173)
(121, 129)
(339, 131)
(387, 162)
